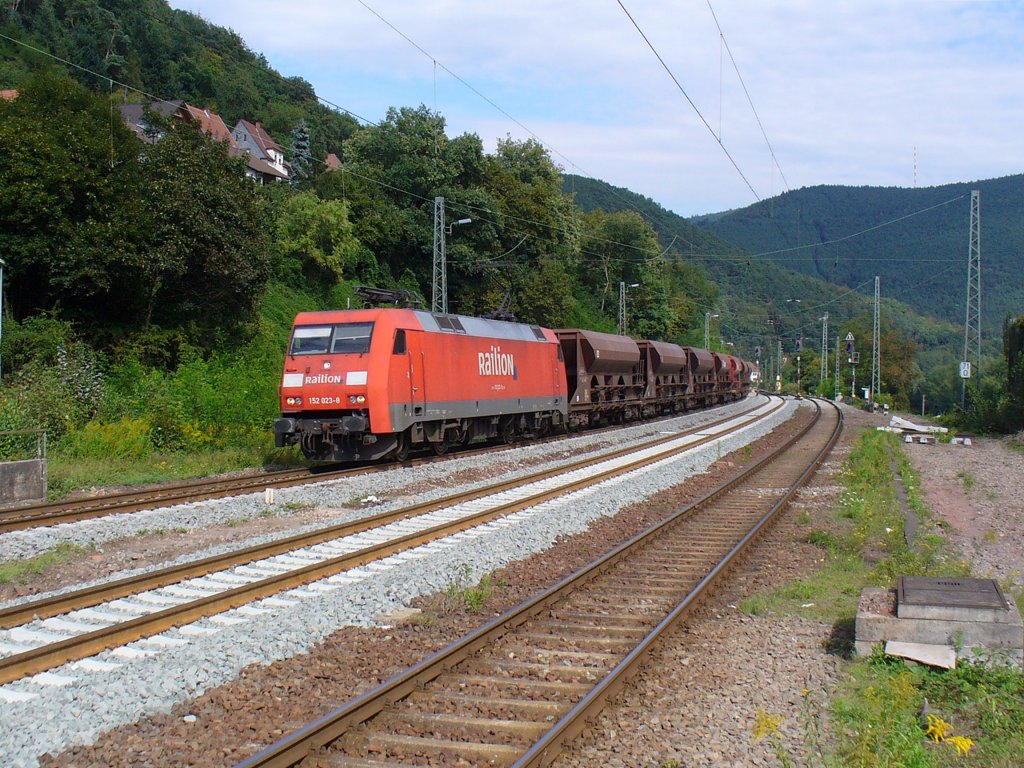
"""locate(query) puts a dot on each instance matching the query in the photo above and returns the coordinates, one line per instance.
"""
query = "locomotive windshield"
(337, 339)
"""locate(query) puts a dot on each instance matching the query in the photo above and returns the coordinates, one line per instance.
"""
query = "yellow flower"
(962, 743)
(765, 724)
(938, 729)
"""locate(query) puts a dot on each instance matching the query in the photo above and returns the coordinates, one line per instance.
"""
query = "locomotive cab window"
(311, 340)
(351, 338)
(341, 338)
(399, 347)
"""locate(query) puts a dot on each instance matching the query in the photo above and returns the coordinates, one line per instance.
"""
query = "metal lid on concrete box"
(950, 598)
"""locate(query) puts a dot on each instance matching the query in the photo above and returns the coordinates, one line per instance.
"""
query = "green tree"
(69, 220)
(316, 235)
(206, 263)
(393, 172)
(300, 153)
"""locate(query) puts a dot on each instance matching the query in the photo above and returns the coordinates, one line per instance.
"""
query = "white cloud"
(845, 91)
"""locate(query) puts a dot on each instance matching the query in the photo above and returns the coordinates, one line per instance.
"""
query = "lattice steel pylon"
(824, 348)
(876, 346)
(835, 393)
(972, 322)
(439, 283)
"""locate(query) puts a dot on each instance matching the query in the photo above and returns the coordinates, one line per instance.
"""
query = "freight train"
(370, 384)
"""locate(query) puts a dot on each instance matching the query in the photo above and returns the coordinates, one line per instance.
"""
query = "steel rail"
(165, 495)
(56, 605)
(294, 748)
(54, 654)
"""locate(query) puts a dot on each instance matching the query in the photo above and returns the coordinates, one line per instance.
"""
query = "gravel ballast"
(67, 707)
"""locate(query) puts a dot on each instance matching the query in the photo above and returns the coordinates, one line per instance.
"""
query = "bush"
(123, 439)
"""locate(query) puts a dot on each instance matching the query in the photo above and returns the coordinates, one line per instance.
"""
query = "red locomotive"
(376, 383)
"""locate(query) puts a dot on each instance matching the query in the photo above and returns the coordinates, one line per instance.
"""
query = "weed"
(459, 592)
(232, 522)
(181, 529)
(967, 479)
(16, 571)
(766, 726)
(823, 539)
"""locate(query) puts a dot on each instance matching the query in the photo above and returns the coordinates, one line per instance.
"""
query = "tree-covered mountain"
(916, 240)
(760, 301)
(754, 289)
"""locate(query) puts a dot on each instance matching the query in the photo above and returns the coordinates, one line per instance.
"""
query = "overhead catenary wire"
(644, 255)
(750, 100)
(682, 90)
(495, 105)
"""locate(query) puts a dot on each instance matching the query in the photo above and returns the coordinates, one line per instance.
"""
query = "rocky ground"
(696, 702)
(978, 491)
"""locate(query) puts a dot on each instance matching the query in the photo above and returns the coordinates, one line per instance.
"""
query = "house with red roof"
(254, 139)
(210, 123)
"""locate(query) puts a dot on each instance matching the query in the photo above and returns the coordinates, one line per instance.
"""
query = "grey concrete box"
(22, 481)
(878, 622)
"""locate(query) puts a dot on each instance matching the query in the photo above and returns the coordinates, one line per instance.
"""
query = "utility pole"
(835, 388)
(707, 323)
(799, 349)
(439, 298)
(972, 323)
(852, 357)
(824, 348)
(622, 308)
(439, 284)
(778, 377)
(876, 349)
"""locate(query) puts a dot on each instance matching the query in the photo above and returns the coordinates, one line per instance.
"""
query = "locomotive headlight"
(357, 399)
(293, 401)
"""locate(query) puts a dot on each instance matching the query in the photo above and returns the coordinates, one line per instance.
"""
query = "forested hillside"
(916, 240)
(168, 54)
(755, 289)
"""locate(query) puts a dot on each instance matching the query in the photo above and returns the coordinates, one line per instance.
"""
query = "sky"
(910, 93)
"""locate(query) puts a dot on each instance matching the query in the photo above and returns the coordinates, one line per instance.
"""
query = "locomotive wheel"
(508, 432)
(440, 448)
(402, 451)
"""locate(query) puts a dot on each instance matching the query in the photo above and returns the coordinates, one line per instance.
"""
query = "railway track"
(166, 495)
(515, 691)
(69, 511)
(47, 633)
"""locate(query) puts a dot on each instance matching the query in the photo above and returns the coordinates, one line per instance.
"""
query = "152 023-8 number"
(325, 401)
